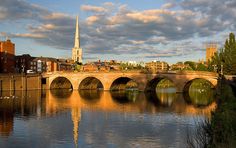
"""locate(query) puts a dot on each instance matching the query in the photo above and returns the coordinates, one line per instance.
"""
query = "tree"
(191, 64)
(201, 67)
(226, 57)
(77, 66)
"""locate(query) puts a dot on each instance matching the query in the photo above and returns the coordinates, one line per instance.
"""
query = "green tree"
(77, 66)
(201, 67)
(229, 56)
(226, 57)
(191, 64)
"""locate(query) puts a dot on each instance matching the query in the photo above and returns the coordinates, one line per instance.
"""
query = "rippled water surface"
(67, 118)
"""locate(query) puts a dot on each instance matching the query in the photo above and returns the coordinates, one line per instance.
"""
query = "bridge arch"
(91, 83)
(188, 83)
(152, 84)
(122, 83)
(61, 83)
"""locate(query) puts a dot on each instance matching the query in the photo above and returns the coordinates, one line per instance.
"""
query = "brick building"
(211, 49)
(23, 63)
(7, 56)
(156, 66)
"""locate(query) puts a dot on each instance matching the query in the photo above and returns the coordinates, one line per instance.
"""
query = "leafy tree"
(77, 66)
(191, 64)
(201, 67)
(226, 57)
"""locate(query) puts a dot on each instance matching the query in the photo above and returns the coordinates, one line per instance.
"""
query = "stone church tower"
(77, 51)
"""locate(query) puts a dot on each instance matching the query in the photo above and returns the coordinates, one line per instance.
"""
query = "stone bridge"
(118, 80)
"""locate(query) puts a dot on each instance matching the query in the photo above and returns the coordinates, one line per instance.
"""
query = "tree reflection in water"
(198, 98)
(90, 96)
(166, 95)
(61, 93)
(124, 96)
(200, 93)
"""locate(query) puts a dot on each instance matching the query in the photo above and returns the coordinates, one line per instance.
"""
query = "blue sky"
(144, 30)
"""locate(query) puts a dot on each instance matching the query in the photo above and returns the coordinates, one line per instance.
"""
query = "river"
(66, 118)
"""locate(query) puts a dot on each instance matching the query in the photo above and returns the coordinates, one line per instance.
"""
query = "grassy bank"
(223, 122)
(220, 130)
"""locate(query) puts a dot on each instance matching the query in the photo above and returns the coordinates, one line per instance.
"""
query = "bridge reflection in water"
(129, 101)
(39, 105)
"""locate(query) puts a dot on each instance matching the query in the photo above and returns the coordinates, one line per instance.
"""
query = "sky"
(127, 30)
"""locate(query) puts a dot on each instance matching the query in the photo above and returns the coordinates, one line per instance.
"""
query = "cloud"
(92, 19)
(168, 5)
(27, 35)
(94, 8)
(126, 31)
(18, 9)
(108, 4)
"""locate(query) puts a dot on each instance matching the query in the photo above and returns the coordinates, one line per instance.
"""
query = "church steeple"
(77, 35)
(77, 51)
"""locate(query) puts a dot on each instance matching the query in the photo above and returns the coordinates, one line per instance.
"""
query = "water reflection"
(166, 95)
(201, 93)
(124, 96)
(199, 98)
(61, 93)
(96, 118)
(90, 96)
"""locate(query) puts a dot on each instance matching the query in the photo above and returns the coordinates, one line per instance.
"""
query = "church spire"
(77, 51)
(77, 34)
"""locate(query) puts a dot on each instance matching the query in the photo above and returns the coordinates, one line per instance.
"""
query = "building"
(38, 65)
(211, 49)
(180, 66)
(63, 65)
(77, 51)
(7, 56)
(22, 63)
(45, 64)
(97, 66)
(156, 66)
(90, 67)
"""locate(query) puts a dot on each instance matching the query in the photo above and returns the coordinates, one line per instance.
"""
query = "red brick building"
(7, 56)
(22, 63)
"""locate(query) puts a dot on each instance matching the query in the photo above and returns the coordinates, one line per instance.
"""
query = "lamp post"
(221, 69)
(215, 68)
(23, 68)
(59, 66)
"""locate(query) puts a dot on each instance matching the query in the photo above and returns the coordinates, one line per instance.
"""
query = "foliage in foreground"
(221, 130)
(223, 121)
(226, 58)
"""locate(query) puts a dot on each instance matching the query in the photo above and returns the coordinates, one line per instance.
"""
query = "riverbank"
(220, 130)
(223, 122)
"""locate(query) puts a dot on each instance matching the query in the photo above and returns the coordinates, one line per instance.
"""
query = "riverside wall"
(14, 82)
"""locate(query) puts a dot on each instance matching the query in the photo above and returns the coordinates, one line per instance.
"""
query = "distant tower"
(211, 48)
(77, 51)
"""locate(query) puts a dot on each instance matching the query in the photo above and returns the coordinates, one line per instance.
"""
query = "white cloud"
(92, 8)
(168, 5)
(28, 35)
(126, 31)
(92, 19)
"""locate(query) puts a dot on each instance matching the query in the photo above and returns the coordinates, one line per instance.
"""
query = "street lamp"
(215, 67)
(59, 66)
(23, 68)
(221, 69)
